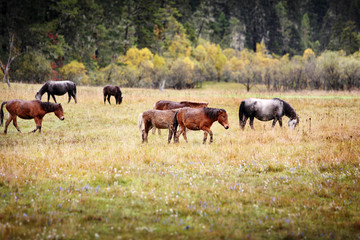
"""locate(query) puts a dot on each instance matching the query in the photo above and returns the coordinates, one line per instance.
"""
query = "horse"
(112, 91)
(199, 119)
(29, 110)
(267, 110)
(166, 105)
(57, 88)
(161, 119)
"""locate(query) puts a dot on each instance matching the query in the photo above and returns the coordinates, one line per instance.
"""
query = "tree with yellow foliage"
(75, 72)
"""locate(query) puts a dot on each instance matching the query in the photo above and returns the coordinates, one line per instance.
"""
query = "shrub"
(31, 67)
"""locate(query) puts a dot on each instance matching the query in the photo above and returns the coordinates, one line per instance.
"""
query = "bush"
(31, 67)
(75, 72)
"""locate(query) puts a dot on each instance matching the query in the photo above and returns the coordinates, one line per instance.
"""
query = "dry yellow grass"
(89, 176)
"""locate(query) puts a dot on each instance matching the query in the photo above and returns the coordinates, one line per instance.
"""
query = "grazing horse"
(29, 110)
(199, 119)
(166, 105)
(57, 88)
(266, 110)
(162, 119)
(112, 91)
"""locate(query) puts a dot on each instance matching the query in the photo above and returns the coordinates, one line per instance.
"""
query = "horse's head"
(223, 118)
(59, 112)
(293, 122)
(38, 96)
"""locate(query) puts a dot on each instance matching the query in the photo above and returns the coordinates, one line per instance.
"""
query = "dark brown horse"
(112, 91)
(166, 105)
(199, 119)
(161, 119)
(29, 110)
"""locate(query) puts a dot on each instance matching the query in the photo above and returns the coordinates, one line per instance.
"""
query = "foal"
(29, 110)
(161, 119)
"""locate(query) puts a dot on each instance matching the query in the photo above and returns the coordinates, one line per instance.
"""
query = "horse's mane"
(212, 112)
(289, 111)
(49, 107)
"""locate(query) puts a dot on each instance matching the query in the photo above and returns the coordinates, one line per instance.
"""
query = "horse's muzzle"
(226, 127)
(62, 118)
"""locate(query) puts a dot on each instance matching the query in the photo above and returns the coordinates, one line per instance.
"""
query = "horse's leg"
(53, 96)
(108, 98)
(38, 122)
(171, 132)
(274, 122)
(48, 97)
(147, 127)
(280, 121)
(8, 122)
(15, 124)
(252, 123)
(243, 123)
(181, 131)
(74, 96)
(205, 136)
(104, 98)
(69, 96)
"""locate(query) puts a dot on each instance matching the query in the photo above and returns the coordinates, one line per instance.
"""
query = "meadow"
(90, 177)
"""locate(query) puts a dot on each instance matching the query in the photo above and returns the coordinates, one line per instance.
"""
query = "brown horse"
(29, 110)
(112, 91)
(167, 105)
(199, 119)
(162, 119)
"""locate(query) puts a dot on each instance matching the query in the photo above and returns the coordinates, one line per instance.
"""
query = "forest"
(278, 44)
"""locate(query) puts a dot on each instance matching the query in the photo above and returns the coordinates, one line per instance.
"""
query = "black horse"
(266, 110)
(57, 88)
(115, 91)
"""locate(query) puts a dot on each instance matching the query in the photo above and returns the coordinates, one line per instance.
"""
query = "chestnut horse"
(29, 110)
(166, 105)
(161, 119)
(57, 88)
(112, 91)
(199, 119)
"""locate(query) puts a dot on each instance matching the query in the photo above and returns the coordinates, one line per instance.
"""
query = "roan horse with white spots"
(29, 110)
(199, 119)
(267, 110)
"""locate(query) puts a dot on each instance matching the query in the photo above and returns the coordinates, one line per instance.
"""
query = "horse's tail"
(2, 113)
(140, 122)
(74, 89)
(175, 125)
(241, 111)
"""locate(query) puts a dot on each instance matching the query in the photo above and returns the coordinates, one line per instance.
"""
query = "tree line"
(179, 44)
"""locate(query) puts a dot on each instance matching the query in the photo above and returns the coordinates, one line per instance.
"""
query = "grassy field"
(90, 177)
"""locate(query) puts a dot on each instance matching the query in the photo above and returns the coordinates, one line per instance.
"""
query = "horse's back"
(112, 90)
(23, 108)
